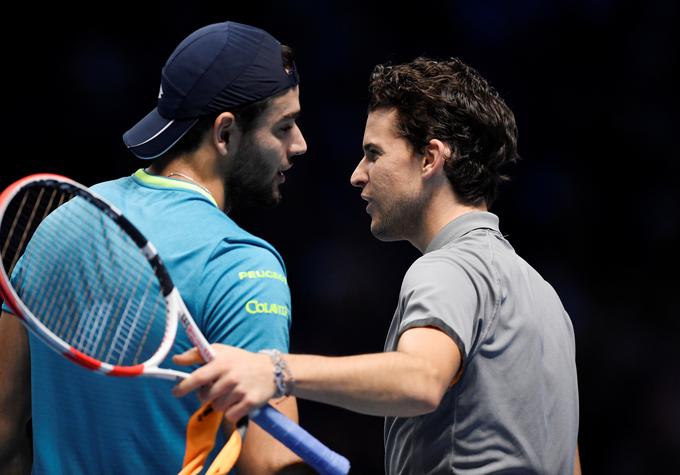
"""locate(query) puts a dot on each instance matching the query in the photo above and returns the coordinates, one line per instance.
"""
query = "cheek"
(267, 160)
(272, 154)
(386, 180)
(274, 161)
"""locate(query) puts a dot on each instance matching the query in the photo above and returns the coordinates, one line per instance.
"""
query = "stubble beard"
(250, 179)
(399, 219)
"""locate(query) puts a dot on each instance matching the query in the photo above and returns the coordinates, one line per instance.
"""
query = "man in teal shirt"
(223, 135)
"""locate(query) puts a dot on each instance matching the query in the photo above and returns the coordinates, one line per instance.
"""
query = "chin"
(379, 233)
(276, 196)
(383, 233)
(272, 200)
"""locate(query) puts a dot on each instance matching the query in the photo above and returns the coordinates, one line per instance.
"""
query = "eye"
(372, 155)
(285, 128)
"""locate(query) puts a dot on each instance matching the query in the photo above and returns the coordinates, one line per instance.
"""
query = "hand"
(236, 381)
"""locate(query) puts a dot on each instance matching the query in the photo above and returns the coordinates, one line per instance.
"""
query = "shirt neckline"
(158, 181)
(462, 225)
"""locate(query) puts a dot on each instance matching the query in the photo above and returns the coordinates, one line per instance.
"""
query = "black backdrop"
(593, 204)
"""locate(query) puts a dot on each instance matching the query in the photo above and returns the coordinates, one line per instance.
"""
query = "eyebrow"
(369, 145)
(291, 115)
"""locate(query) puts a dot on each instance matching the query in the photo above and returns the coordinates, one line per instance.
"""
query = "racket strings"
(21, 228)
(83, 277)
(82, 332)
(80, 335)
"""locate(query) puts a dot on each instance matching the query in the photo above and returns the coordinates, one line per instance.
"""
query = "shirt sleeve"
(438, 293)
(247, 299)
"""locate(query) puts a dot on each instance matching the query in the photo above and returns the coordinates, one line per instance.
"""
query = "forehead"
(381, 129)
(381, 123)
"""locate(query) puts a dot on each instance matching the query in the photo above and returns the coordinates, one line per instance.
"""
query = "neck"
(443, 208)
(194, 169)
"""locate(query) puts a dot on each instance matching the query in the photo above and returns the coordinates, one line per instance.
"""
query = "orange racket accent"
(82, 359)
(127, 370)
(200, 440)
(227, 457)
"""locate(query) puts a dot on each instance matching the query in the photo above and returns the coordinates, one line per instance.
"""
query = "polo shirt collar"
(157, 181)
(462, 225)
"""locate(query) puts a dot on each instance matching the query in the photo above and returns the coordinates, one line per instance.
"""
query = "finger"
(221, 387)
(224, 402)
(239, 410)
(202, 393)
(202, 376)
(189, 357)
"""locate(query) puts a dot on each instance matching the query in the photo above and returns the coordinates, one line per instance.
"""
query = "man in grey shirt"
(515, 406)
(478, 373)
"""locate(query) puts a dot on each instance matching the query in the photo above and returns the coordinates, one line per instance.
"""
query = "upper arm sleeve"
(247, 300)
(438, 293)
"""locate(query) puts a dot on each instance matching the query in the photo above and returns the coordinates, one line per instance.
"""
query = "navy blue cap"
(216, 68)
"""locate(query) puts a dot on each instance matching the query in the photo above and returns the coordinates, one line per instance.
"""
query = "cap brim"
(154, 135)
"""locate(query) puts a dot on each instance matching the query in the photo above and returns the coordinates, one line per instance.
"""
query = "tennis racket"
(85, 281)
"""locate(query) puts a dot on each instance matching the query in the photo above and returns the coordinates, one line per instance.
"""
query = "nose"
(298, 146)
(359, 176)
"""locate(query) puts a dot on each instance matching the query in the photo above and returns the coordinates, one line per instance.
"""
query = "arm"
(15, 396)
(577, 463)
(407, 382)
(247, 303)
(281, 461)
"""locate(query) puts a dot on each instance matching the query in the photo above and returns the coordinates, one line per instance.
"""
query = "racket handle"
(306, 446)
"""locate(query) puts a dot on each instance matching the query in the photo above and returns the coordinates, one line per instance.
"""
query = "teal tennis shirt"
(233, 283)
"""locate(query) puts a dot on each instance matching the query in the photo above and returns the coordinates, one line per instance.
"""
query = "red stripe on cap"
(127, 370)
(82, 359)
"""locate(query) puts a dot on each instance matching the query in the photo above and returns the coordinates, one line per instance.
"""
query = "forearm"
(408, 382)
(264, 455)
(15, 442)
(14, 393)
(577, 463)
(13, 427)
(382, 384)
(17, 459)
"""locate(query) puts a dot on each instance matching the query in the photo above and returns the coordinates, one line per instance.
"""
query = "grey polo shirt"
(515, 407)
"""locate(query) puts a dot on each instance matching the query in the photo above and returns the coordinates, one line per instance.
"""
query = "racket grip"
(301, 442)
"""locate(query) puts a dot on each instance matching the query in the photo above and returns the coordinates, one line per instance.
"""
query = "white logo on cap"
(160, 93)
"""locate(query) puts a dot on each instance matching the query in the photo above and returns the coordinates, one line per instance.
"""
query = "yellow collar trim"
(165, 182)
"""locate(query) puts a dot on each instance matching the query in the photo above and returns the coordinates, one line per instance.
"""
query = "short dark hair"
(450, 101)
(246, 117)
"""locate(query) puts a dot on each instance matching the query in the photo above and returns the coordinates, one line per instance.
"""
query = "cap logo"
(160, 93)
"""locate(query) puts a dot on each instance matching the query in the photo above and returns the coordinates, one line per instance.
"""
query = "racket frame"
(312, 451)
(173, 301)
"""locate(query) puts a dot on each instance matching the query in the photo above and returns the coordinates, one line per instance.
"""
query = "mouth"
(281, 172)
(368, 204)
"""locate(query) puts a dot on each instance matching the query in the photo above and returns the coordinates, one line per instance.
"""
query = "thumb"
(189, 357)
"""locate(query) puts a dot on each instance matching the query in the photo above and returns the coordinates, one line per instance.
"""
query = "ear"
(435, 155)
(225, 132)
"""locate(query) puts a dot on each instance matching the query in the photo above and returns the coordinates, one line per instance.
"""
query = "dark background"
(593, 205)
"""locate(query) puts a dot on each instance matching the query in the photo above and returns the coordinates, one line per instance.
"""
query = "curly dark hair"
(450, 101)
